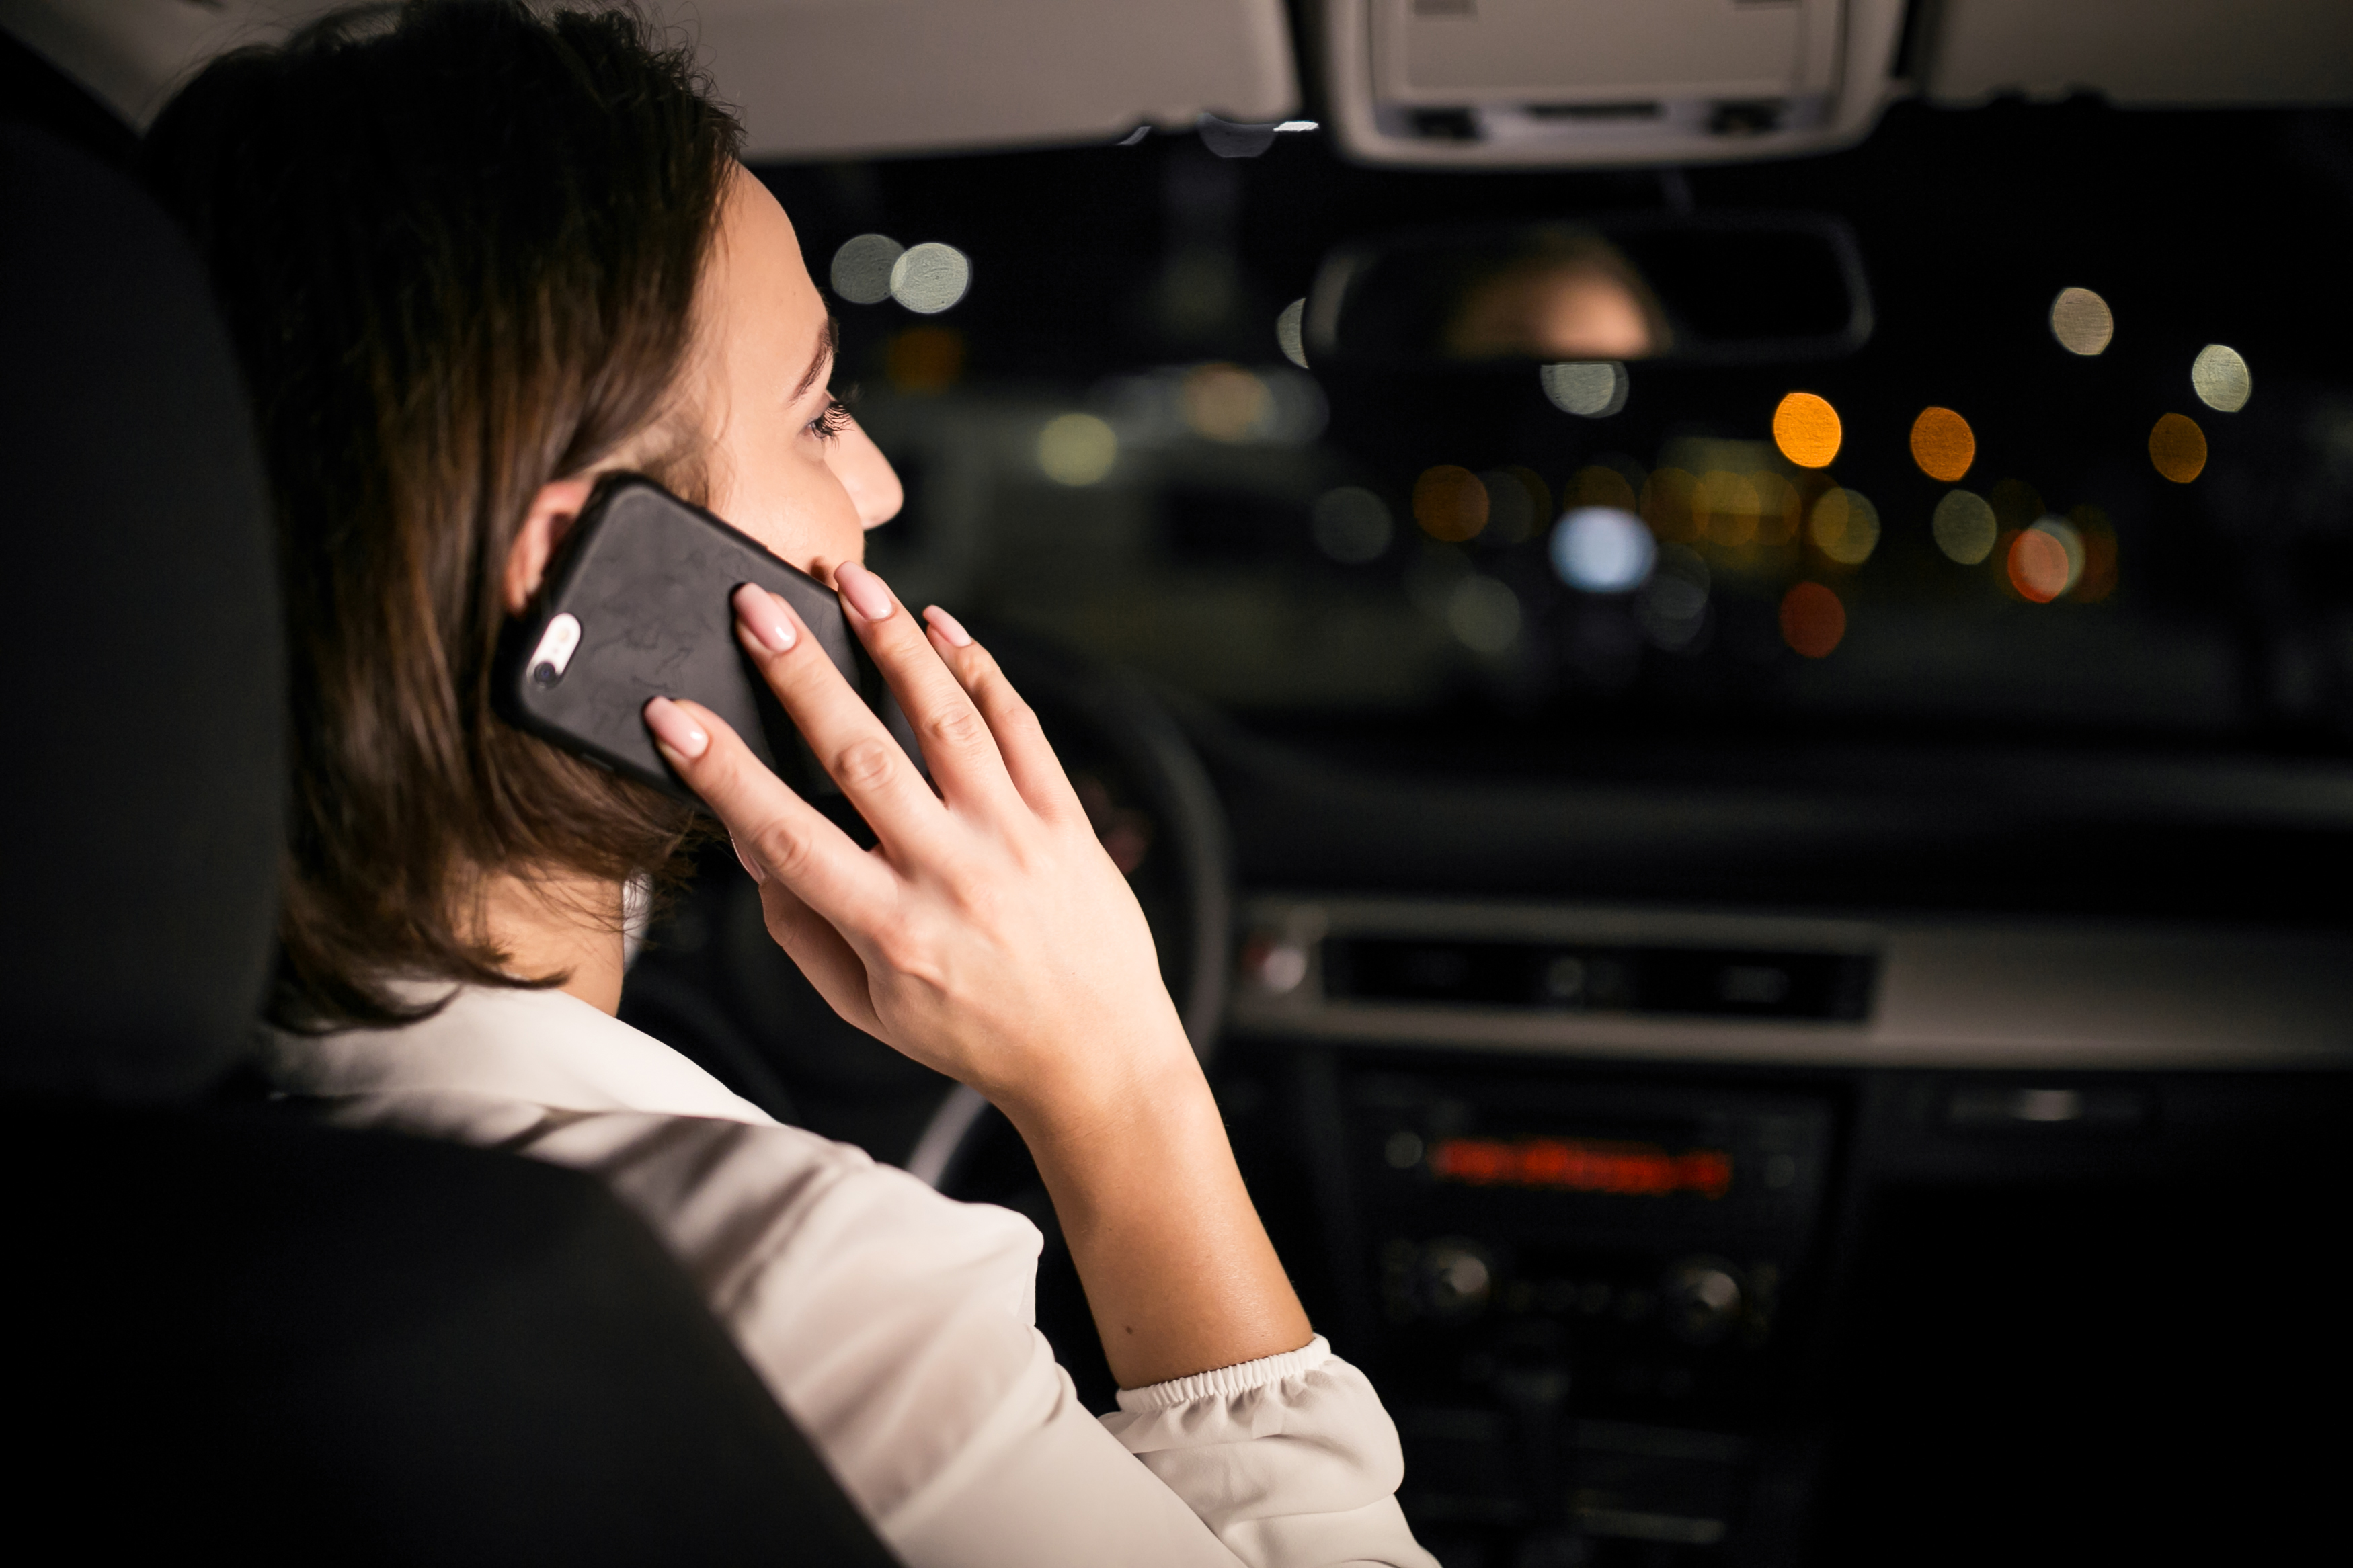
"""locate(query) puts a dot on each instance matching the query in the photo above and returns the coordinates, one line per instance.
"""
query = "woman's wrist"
(1113, 1098)
(1177, 1269)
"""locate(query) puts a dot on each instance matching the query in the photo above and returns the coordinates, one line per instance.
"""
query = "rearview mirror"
(1728, 288)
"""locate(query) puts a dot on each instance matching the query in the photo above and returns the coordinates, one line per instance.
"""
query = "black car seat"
(232, 1331)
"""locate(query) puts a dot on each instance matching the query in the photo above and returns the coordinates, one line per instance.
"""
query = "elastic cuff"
(1221, 1382)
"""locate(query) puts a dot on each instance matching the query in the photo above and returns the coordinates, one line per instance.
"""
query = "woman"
(474, 256)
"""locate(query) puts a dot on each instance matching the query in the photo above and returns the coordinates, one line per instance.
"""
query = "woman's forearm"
(1178, 1267)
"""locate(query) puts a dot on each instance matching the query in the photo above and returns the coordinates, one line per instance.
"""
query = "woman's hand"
(988, 935)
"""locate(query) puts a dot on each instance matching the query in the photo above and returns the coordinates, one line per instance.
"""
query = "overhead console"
(1556, 82)
(1559, 84)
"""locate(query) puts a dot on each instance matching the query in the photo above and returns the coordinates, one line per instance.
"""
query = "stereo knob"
(1702, 1298)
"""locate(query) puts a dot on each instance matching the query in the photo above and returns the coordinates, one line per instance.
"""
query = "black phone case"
(650, 577)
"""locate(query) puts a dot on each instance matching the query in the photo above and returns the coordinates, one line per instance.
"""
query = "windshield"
(2089, 479)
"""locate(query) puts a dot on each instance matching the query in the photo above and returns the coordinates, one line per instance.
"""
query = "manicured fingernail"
(762, 616)
(864, 591)
(751, 867)
(673, 729)
(948, 627)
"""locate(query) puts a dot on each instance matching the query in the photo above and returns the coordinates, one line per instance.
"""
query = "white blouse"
(896, 1325)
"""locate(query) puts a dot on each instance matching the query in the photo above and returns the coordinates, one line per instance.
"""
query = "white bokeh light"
(2081, 322)
(1590, 389)
(1965, 527)
(930, 278)
(1672, 606)
(1077, 449)
(1287, 332)
(2220, 378)
(1352, 525)
(1485, 614)
(862, 267)
(1602, 550)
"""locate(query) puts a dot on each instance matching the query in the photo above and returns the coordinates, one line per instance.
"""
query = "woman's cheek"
(795, 505)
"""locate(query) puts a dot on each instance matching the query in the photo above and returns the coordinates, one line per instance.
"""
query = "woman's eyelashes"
(831, 421)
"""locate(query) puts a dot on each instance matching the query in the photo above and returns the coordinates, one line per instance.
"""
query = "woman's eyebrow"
(828, 340)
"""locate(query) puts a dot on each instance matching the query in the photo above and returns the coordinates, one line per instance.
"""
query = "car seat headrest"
(141, 644)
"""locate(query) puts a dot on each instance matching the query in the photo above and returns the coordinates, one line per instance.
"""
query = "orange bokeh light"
(2039, 567)
(1597, 485)
(1727, 508)
(1450, 503)
(2098, 578)
(1943, 445)
(2178, 448)
(1669, 505)
(1813, 621)
(924, 360)
(1806, 428)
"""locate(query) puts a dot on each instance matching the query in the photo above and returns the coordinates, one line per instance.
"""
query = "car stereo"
(1575, 1294)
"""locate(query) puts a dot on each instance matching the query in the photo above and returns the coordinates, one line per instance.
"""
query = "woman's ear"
(552, 512)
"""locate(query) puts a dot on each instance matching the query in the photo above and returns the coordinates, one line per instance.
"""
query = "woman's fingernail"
(673, 729)
(751, 867)
(864, 591)
(948, 627)
(763, 614)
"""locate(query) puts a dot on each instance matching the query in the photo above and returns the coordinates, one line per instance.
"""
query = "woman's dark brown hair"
(457, 243)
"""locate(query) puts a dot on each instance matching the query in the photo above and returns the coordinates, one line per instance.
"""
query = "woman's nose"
(873, 485)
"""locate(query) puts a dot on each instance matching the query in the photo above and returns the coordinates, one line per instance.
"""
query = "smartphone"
(638, 606)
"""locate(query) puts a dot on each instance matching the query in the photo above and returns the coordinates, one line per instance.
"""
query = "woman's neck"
(559, 924)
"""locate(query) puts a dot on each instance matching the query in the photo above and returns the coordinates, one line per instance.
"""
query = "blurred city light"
(924, 360)
(1943, 445)
(930, 278)
(2081, 322)
(1672, 606)
(2071, 545)
(862, 267)
(2097, 578)
(1450, 503)
(1591, 389)
(1813, 621)
(1779, 508)
(1517, 500)
(1964, 527)
(1352, 525)
(1077, 449)
(2178, 446)
(1221, 402)
(1287, 332)
(1602, 550)
(1598, 484)
(1483, 613)
(1669, 505)
(2219, 377)
(1845, 527)
(2038, 563)
(1225, 402)
(1726, 505)
(1806, 428)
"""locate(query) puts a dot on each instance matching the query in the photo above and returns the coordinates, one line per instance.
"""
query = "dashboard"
(1814, 1228)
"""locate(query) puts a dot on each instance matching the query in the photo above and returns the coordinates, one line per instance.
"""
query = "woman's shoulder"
(534, 1047)
(547, 1076)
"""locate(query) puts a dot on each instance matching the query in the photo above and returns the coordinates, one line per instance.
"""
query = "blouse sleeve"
(1290, 1461)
